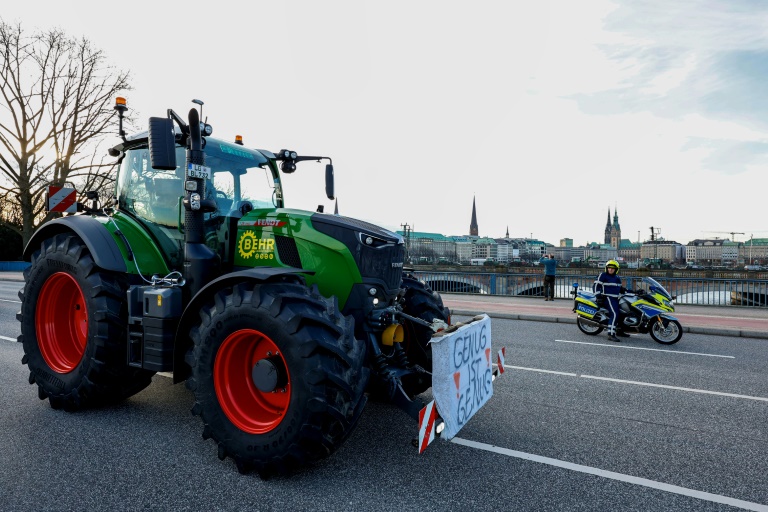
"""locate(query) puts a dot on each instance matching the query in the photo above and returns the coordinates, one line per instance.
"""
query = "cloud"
(730, 157)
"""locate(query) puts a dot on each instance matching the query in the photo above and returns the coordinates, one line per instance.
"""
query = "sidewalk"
(715, 320)
(737, 321)
(12, 276)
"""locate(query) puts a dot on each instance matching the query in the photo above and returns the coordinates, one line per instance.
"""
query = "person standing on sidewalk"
(608, 289)
(550, 270)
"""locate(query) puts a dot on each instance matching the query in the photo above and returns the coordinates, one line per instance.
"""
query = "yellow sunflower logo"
(247, 245)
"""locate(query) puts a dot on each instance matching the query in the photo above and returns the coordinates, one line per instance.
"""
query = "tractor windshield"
(239, 176)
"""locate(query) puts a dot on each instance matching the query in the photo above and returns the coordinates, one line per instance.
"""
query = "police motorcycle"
(644, 310)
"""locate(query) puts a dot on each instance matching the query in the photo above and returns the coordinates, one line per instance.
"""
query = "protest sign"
(462, 372)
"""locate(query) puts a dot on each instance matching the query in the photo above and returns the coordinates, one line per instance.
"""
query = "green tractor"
(282, 322)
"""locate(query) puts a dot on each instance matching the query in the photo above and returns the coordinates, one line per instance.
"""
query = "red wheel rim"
(61, 322)
(250, 409)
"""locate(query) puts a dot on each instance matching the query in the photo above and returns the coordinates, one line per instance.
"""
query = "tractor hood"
(378, 252)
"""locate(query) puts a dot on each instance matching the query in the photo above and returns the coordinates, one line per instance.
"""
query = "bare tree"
(56, 105)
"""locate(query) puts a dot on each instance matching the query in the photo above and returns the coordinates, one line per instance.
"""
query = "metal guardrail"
(13, 266)
(687, 290)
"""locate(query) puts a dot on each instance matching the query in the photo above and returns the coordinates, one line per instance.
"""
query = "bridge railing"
(687, 290)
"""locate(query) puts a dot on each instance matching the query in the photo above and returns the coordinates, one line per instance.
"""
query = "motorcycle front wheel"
(666, 332)
(588, 328)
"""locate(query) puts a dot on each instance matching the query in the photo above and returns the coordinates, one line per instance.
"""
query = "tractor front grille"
(378, 253)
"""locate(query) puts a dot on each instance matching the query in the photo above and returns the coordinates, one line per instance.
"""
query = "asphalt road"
(575, 423)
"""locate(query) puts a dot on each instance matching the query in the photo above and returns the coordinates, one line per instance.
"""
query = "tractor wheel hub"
(268, 375)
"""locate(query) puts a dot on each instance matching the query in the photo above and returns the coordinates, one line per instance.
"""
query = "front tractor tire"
(422, 302)
(277, 375)
(73, 328)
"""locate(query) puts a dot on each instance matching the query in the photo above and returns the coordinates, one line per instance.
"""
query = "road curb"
(713, 331)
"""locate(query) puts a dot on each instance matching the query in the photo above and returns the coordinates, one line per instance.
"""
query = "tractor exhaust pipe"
(193, 215)
(201, 264)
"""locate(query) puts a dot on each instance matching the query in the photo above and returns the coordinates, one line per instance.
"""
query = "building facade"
(754, 252)
(665, 250)
(704, 252)
(628, 251)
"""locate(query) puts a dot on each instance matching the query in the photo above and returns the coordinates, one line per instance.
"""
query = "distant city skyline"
(611, 232)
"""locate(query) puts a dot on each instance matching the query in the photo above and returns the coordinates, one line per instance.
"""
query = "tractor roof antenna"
(199, 102)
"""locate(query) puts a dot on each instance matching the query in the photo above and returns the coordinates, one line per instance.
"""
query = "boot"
(612, 337)
(622, 334)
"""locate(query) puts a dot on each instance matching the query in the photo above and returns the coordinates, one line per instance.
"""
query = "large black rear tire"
(73, 327)
(320, 371)
(424, 303)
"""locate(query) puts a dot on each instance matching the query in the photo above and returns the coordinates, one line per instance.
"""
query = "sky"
(547, 114)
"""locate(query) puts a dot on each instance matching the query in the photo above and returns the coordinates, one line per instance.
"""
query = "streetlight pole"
(407, 233)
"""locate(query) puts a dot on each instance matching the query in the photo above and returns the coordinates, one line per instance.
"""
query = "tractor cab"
(241, 180)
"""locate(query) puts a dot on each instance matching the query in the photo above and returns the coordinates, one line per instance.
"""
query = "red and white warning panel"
(427, 417)
(500, 366)
(61, 199)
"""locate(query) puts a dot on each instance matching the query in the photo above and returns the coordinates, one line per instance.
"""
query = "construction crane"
(732, 233)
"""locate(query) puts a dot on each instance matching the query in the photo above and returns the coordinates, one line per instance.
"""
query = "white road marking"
(661, 486)
(664, 386)
(540, 370)
(9, 300)
(6, 338)
(643, 348)
(639, 383)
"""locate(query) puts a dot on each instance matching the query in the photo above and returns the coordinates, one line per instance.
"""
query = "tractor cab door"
(154, 198)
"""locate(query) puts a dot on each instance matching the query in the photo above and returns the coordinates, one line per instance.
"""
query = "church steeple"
(473, 223)
(613, 231)
(607, 237)
(507, 232)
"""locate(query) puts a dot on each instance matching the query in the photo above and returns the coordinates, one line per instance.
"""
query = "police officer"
(608, 289)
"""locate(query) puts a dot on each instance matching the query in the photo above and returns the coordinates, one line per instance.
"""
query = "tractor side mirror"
(329, 181)
(162, 143)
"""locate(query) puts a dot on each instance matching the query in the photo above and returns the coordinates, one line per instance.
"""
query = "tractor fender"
(182, 340)
(102, 246)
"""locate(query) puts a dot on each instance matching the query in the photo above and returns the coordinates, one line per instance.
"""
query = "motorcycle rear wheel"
(587, 328)
(666, 332)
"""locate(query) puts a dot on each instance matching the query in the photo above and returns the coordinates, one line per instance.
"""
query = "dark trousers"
(612, 304)
(549, 287)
